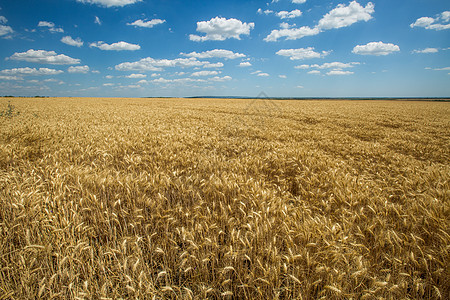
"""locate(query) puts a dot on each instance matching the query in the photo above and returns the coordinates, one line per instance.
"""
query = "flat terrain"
(211, 198)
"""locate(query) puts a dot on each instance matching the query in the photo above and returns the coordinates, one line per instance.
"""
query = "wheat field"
(224, 199)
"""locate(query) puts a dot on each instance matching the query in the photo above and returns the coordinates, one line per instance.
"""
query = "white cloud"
(298, 1)
(442, 69)
(79, 69)
(209, 65)
(147, 24)
(181, 80)
(133, 86)
(45, 57)
(245, 64)
(108, 84)
(46, 24)
(216, 53)
(282, 76)
(136, 76)
(212, 65)
(263, 74)
(204, 73)
(4, 30)
(220, 79)
(151, 64)
(445, 16)
(343, 16)
(70, 41)
(267, 11)
(97, 21)
(302, 67)
(339, 72)
(119, 46)
(333, 65)
(7, 77)
(426, 50)
(220, 29)
(50, 25)
(299, 86)
(376, 48)
(110, 3)
(292, 33)
(109, 76)
(289, 14)
(433, 23)
(314, 72)
(256, 72)
(302, 53)
(31, 71)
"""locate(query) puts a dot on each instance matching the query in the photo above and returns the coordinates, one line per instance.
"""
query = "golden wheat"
(232, 199)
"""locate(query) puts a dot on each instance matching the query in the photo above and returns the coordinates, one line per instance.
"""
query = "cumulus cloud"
(178, 80)
(44, 57)
(289, 14)
(245, 64)
(212, 65)
(204, 73)
(216, 53)
(282, 76)
(282, 14)
(51, 26)
(136, 76)
(31, 71)
(339, 72)
(376, 48)
(302, 53)
(4, 29)
(97, 21)
(119, 46)
(343, 16)
(298, 1)
(147, 24)
(220, 79)
(291, 33)
(426, 50)
(7, 77)
(437, 23)
(220, 29)
(79, 69)
(314, 72)
(332, 65)
(70, 41)
(110, 3)
(151, 64)
(263, 74)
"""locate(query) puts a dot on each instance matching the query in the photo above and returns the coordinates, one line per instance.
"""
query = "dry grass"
(233, 199)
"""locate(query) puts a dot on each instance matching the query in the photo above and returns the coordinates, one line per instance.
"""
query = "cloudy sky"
(285, 48)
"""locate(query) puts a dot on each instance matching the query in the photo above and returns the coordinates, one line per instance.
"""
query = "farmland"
(224, 199)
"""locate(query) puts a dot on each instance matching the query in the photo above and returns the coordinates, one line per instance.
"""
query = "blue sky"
(286, 48)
